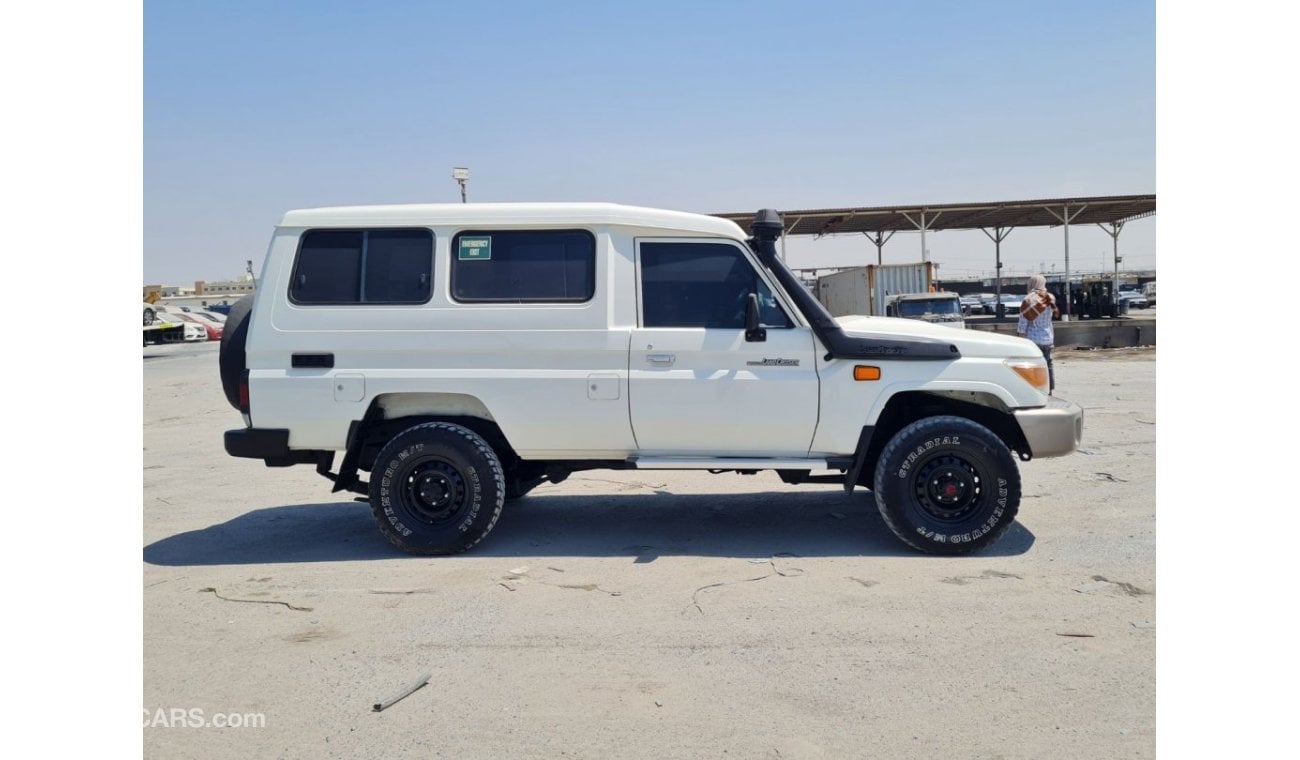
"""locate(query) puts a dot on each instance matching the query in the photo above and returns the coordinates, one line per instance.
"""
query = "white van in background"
(941, 308)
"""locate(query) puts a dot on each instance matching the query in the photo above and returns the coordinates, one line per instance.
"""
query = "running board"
(725, 463)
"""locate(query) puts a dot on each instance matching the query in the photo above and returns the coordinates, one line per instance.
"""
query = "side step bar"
(726, 463)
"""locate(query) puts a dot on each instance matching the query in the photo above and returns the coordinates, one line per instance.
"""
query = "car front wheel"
(947, 485)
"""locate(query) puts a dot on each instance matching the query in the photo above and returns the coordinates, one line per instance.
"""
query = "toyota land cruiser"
(458, 355)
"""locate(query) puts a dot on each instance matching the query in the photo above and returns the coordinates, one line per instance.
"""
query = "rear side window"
(521, 266)
(363, 266)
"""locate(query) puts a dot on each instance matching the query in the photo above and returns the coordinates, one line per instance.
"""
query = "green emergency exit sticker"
(475, 248)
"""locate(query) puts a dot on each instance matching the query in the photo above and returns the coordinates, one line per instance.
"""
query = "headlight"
(1034, 371)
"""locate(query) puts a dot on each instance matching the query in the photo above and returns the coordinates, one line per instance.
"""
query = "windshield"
(928, 308)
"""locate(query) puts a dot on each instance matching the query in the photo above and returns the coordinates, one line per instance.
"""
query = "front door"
(696, 386)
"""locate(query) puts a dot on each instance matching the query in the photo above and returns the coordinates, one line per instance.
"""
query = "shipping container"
(866, 290)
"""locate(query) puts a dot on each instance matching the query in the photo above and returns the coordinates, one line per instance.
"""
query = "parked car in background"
(213, 316)
(219, 308)
(970, 304)
(211, 327)
(1010, 303)
(194, 331)
(1134, 299)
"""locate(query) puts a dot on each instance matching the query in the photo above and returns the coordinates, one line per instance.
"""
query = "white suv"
(462, 354)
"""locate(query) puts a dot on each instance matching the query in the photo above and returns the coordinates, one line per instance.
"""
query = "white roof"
(467, 215)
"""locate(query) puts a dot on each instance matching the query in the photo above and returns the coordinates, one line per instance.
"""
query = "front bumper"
(1053, 430)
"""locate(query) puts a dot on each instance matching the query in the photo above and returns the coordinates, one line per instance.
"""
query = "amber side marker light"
(863, 372)
(1034, 373)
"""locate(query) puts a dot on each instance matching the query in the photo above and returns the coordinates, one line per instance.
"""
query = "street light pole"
(461, 175)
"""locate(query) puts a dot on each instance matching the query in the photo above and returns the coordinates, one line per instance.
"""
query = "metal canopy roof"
(1046, 212)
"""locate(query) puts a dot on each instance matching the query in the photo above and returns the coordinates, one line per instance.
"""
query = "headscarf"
(1037, 282)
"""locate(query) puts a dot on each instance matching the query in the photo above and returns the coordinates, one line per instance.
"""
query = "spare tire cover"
(232, 361)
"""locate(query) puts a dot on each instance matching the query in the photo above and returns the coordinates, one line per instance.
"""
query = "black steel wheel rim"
(948, 487)
(434, 491)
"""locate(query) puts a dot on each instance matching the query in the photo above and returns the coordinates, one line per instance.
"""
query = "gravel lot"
(652, 614)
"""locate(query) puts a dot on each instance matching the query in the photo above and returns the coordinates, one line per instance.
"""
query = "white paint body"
(585, 380)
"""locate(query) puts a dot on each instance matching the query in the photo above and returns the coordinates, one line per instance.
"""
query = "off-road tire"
(947, 485)
(436, 489)
(232, 361)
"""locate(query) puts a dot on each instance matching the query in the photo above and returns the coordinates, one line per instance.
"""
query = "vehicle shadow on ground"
(639, 526)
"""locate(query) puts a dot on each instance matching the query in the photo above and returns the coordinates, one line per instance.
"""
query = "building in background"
(240, 286)
(202, 293)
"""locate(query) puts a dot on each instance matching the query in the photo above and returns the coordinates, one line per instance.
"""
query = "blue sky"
(254, 108)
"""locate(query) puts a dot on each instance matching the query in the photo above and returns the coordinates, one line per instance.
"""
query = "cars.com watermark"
(196, 717)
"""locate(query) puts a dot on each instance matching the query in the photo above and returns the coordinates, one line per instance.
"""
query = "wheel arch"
(391, 413)
(905, 407)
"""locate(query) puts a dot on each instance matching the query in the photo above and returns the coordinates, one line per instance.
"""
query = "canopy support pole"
(1065, 218)
(999, 234)
(783, 235)
(1114, 230)
(923, 225)
(880, 244)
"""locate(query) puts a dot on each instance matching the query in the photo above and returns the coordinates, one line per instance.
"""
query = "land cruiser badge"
(775, 363)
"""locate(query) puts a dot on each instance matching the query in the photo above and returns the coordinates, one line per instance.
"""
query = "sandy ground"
(656, 615)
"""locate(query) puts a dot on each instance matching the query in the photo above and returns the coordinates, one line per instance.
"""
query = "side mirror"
(753, 332)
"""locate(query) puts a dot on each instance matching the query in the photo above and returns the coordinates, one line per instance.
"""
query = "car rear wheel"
(437, 488)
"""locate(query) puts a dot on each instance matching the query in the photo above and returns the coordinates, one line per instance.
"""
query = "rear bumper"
(257, 443)
(271, 445)
(1053, 430)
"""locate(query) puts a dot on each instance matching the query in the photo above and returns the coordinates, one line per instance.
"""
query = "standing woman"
(1035, 322)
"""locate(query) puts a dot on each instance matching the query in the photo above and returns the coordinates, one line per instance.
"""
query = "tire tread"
(481, 447)
(921, 428)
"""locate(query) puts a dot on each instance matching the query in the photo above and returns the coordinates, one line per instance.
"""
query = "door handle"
(663, 359)
(313, 361)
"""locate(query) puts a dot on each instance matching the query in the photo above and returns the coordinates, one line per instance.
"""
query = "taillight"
(243, 392)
